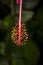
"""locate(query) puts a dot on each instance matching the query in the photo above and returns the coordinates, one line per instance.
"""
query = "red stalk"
(19, 24)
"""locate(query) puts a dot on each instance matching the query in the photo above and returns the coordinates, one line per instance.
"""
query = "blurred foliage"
(26, 15)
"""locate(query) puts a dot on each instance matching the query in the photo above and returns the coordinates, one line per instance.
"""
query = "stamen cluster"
(23, 36)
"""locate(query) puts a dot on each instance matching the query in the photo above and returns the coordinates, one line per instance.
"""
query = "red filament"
(18, 1)
(19, 23)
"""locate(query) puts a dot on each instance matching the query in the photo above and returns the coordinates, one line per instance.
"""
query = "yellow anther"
(26, 34)
(26, 37)
(24, 40)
